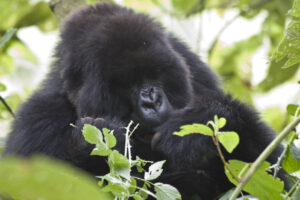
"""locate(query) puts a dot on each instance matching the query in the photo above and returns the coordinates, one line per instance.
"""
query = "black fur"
(106, 54)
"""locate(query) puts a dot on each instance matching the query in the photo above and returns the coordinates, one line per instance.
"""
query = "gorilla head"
(128, 66)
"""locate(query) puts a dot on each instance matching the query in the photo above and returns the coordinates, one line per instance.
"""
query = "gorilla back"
(114, 65)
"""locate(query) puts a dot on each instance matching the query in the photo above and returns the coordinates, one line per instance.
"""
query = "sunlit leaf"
(42, 178)
(194, 128)
(292, 109)
(121, 164)
(155, 170)
(261, 185)
(166, 192)
(290, 164)
(7, 37)
(229, 140)
(2, 87)
(92, 134)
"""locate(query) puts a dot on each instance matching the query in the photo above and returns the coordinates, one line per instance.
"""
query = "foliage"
(42, 178)
(290, 45)
(229, 139)
(261, 184)
(119, 181)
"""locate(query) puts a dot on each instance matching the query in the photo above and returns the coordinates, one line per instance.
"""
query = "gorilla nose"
(150, 98)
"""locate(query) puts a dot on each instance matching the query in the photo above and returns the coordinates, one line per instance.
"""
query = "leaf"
(290, 164)
(186, 7)
(295, 11)
(221, 122)
(194, 128)
(100, 150)
(47, 179)
(120, 164)
(155, 171)
(229, 140)
(226, 195)
(292, 109)
(166, 192)
(137, 197)
(110, 139)
(295, 151)
(92, 134)
(276, 75)
(261, 185)
(2, 87)
(8, 35)
(116, 189)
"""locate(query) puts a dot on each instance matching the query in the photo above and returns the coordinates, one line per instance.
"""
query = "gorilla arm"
(43, 126)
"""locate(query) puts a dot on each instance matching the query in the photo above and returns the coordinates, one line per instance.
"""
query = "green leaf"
(155, 171)
(166, 192)
(110, 139)
(276, 75)
(226, 195)
(221, 122)
(186, 7)
(292, 109)
(290, 164)
(297, 195)
(92, 134)
(8, 35)
(295, 11)
(137, 197)
(194, 128)
(295, 151)
(116, 189)
(133, 186)
(47, 179)
(261, 185)
(2, 87)
(121, 164)
(100, 150)
(229, 140)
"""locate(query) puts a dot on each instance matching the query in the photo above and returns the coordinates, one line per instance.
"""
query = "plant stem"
(292, 190)
(7, 106)
(216, 141)
(263, 156)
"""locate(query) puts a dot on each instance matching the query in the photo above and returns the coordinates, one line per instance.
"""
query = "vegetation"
(44, 178)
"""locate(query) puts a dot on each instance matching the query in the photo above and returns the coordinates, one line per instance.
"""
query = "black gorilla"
(114, 65)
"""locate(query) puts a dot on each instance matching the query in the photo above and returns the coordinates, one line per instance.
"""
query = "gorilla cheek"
(153, 106)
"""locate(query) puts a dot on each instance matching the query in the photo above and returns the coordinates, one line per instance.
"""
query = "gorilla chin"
(113, 65)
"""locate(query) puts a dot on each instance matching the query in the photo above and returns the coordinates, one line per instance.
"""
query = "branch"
(263, 156)
(7, 106)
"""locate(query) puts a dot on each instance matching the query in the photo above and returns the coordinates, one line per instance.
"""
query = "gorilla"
(113, 65)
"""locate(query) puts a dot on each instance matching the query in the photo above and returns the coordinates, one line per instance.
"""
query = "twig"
(263, 156)
(127, 139)
(216, 142)
(293, 189)
(7, 106)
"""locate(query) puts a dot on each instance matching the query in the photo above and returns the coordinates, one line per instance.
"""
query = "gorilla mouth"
(150, 106)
